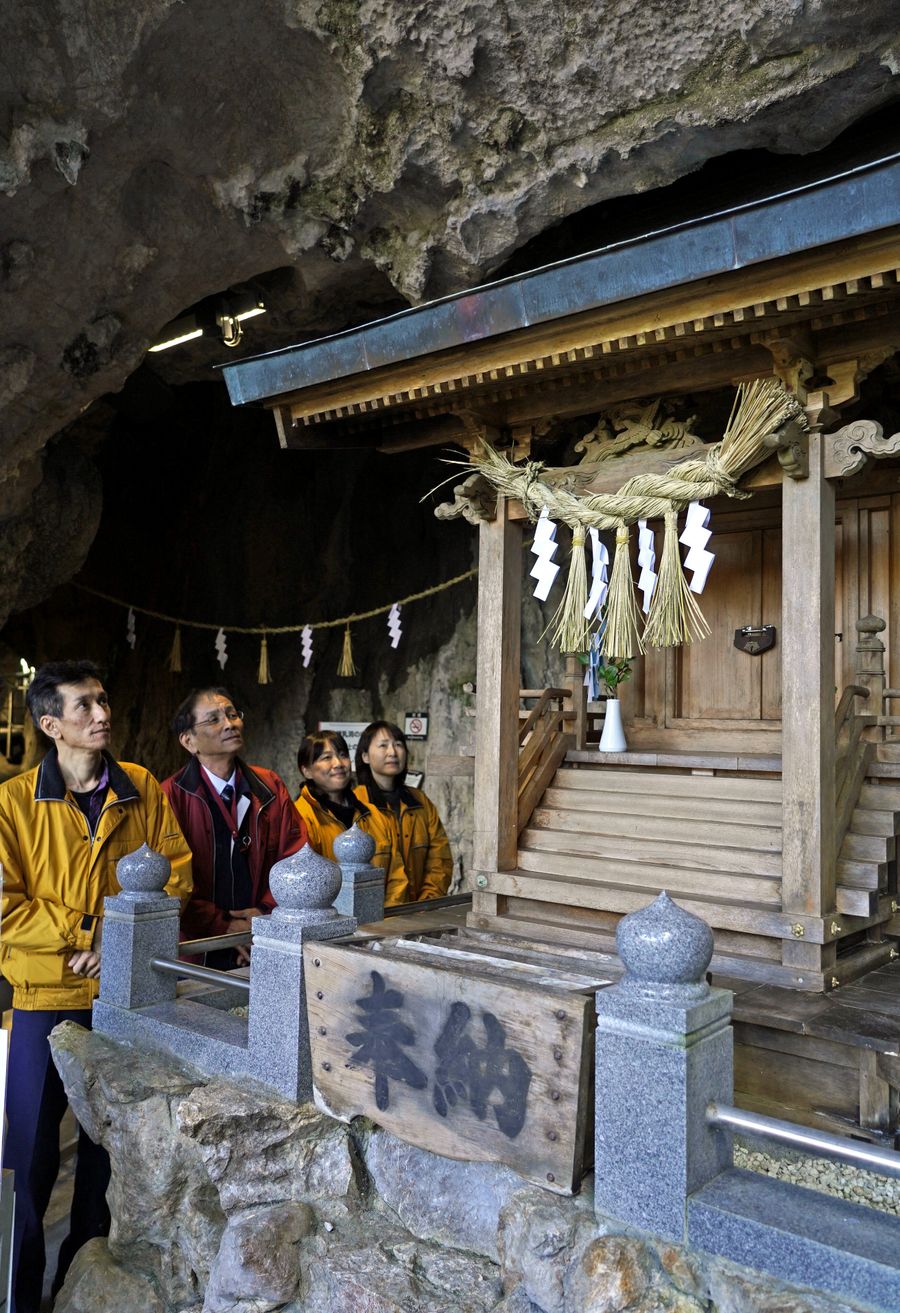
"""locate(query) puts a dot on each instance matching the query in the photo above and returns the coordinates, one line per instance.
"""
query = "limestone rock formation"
(358, 154)
(227, 1199)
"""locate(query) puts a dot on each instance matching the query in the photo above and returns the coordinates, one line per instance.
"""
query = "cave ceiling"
(342, 159)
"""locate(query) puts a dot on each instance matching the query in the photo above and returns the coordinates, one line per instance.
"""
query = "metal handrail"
(826, 1145)
(172, 967)
(429, 904)
(215, 942)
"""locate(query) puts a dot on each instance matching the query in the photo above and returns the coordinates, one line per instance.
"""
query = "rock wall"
(225, 1199)
(357, 155)
(205, 517)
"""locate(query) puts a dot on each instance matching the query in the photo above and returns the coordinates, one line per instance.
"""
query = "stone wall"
(227, 1200)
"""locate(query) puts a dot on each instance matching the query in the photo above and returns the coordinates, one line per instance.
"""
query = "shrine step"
(880, 797)
(743, 811)
(871, 821)
(861, 875)
(591, 881)
(659, 852)
(856, 902)
(680, 828)
(644, 783)
(867, 847)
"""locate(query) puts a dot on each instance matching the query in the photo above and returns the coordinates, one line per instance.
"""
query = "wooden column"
(578, 701)
(497, 697)
(807, 635)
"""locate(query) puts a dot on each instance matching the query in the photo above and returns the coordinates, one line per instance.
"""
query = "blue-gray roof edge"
(850, 204)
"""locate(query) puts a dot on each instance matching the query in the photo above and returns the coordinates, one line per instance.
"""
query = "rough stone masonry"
(226, 1198)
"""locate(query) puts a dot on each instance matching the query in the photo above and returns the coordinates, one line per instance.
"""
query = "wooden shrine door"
(712, 695)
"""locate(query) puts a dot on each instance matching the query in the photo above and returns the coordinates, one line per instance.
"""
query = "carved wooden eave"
(738, 295)
(706, 337)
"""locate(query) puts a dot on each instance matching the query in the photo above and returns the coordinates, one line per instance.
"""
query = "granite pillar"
(278, 1036)
(664, 1052)
(139, 924)
(362, 888)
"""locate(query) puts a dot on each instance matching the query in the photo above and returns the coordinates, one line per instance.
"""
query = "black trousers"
(35, 1104)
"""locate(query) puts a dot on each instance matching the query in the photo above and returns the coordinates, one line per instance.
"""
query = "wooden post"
(498, 676)
(870, 670)
(808, 877)
(578, 701)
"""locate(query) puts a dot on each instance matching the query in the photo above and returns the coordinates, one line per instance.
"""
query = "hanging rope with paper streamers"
(571, 632)
(265, 632)
(647, 562)
(599, 577)
(306, 645)
(695, 537)
(760, 409)
(544, 548)
(675, 616)
(394, 627)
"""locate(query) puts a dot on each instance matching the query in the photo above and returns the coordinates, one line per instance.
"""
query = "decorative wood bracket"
(792, 355)
(474, 500)
(847, 375)
(791, 444)
(849, 448)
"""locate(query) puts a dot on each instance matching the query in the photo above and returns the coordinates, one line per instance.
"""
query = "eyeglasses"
(218, 717)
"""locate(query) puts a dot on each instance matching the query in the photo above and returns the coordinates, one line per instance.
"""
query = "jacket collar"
(191, 781)
(51, 787)
(377, 798)
(318, 800)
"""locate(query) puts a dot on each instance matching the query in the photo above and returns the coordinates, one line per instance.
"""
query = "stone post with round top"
(304, 886)
(664, 1052)
(139, 924)
(362, 890)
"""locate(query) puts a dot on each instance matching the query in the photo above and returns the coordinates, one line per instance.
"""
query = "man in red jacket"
(238, 820)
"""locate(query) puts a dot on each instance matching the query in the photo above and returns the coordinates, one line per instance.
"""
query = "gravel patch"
(852, 1183)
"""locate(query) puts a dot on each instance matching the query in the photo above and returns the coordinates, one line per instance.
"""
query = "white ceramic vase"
(613, 738)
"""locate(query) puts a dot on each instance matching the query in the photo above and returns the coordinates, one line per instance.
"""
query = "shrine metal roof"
(846, 205)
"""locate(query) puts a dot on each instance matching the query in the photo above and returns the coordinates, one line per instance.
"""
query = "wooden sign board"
(467, 1055)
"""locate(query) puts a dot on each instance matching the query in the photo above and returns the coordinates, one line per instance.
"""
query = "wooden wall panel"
(715, 680)
(770, 662)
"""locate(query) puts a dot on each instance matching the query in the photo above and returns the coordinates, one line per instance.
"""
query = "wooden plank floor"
(865, 1014)
(825, 1060)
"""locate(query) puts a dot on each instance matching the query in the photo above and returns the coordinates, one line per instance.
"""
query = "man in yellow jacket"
(63, 827)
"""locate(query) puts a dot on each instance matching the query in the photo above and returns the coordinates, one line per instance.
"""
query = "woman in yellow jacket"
(327, 803)
(422, 862)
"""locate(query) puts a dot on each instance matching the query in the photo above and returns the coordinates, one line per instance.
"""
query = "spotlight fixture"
(218, 316)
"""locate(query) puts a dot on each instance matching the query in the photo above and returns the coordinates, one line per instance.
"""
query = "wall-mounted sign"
(416, 725)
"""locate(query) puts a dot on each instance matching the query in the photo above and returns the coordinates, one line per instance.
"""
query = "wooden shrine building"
(761, 790)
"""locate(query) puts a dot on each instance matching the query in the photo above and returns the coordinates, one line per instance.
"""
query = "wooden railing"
(852, 754)
(544, 740)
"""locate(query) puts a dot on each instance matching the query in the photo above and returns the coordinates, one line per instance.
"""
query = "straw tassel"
(622, 617)
(571, 632)
(675, 616)
(175, 653)
(347, 668)
(264, 676)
